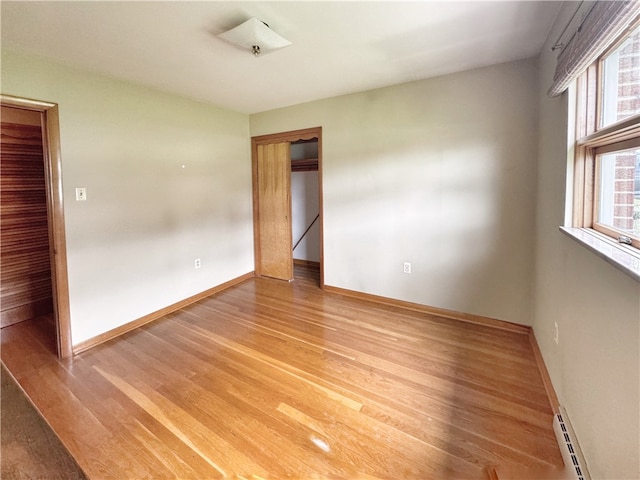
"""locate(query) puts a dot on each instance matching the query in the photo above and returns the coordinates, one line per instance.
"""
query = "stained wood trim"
(579, 188)
(127, 327)
(622, 135)
(304, 165)
(617, 132)
(53, 176)
(544, 373)
(615, 234)
(467, 317)
(25, 103)
(60, 278)
(291, 137)
(307, 263)
(25, 312)
(621, 145)
(440, 312)
(320, 205)
(257, 251)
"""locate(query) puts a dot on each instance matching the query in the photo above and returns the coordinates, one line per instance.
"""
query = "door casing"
(55, 214)
(290, 136)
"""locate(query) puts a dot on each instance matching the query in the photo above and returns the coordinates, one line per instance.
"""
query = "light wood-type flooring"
(270, 379)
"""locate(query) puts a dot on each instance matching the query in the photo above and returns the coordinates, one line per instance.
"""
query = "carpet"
(28, 447)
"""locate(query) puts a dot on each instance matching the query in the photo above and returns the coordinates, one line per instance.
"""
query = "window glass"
(619, 191)
(621, 81)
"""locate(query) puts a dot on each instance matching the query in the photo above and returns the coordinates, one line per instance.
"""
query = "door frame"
(55, 213)
(290, 136)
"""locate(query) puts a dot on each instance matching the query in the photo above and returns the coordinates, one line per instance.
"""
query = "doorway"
(33, 219)
(272, 197)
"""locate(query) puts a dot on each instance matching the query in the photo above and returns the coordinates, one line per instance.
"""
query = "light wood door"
(274, 211)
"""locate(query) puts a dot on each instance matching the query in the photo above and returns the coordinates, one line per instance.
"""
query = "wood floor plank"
(282, 366)
(253, 429)
(176, 420)
(465, 395)
(270, 379)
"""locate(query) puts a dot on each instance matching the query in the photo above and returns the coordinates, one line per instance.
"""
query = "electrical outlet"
(556, 335)
(406, 268)
(197, 263)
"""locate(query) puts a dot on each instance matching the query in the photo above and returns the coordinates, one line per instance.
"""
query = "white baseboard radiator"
(571, 454)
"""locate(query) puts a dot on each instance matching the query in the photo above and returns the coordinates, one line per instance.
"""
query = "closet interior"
(305, 204)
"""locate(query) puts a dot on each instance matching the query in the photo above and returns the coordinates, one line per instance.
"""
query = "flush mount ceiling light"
(255, 36)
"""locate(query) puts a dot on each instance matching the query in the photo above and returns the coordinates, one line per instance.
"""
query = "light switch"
(81, 194)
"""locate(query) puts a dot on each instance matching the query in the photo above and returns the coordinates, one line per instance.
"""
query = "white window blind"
(600, 27)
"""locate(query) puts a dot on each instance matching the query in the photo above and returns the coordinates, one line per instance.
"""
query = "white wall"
(438, 173)
(304, 208)
(595, 368)
(131, 246)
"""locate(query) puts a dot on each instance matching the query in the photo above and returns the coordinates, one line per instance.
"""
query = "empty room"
(264, 240)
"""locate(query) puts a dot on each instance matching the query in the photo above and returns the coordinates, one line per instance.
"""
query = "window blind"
(600, 27)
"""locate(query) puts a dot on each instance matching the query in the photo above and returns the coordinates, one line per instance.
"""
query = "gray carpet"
(29, 448)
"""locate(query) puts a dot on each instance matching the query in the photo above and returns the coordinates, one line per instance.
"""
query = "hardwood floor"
(270, 380)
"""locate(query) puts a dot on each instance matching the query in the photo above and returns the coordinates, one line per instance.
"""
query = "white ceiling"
(338, 47)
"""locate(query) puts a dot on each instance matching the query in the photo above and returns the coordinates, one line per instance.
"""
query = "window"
(618, 200)
(621, 80)
(607, 165)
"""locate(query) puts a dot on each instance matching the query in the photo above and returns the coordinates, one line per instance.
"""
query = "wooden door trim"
(290, 136)
(55, 212)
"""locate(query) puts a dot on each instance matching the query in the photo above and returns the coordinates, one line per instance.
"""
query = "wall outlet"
(556, 335)
(197, 263)
(406, 267)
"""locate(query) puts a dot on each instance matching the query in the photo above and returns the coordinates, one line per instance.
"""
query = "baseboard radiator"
(571, 454)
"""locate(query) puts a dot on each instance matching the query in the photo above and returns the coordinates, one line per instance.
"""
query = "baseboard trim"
(544, 373)
(308, 263)
(127, 327)
(477, 319)
(467, 317)
(21, 313)
(439, 312)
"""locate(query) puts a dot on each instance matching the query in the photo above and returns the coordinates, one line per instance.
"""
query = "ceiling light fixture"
(255, 36)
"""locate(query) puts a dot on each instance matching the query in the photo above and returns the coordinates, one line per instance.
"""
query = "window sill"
(623, 257)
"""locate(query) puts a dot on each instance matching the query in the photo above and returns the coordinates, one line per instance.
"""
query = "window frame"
(592, 140)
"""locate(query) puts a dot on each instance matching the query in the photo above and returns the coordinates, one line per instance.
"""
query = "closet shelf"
(304, 165)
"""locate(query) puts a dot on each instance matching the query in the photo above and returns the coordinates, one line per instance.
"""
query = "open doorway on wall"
(287, 185)
(33, 251)
(305, 203)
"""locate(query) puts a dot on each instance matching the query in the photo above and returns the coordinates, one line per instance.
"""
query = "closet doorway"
(274, 216)
(33, 252)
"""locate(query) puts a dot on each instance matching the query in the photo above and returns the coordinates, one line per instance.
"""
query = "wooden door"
(275, 258)
(24, 234)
